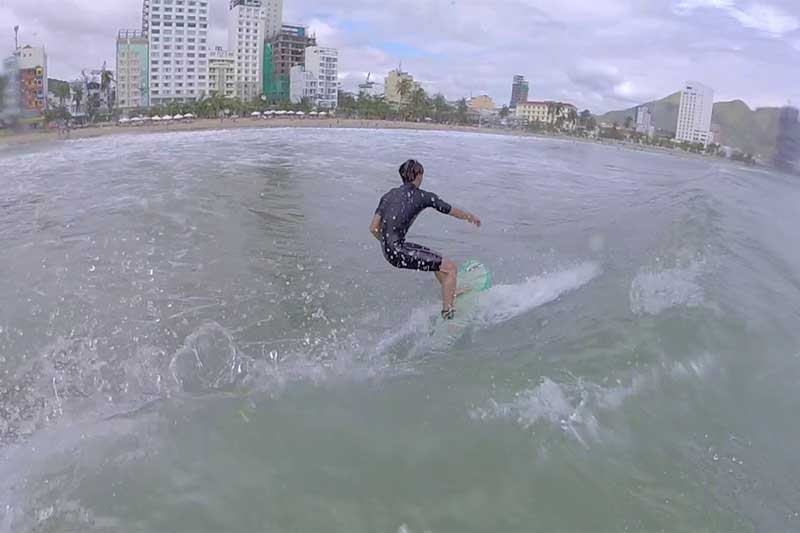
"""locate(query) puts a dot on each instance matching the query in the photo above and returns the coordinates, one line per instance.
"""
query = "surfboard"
(476, 279)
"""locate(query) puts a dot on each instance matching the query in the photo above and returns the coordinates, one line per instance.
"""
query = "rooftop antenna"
(16, 38)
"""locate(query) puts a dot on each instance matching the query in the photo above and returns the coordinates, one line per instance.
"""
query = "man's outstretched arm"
(465, 215)
(375, 227)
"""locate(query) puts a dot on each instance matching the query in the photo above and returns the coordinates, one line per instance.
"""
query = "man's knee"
(448, 267)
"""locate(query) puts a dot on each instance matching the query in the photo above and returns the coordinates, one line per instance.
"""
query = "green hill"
(664, 111)
(755, 132)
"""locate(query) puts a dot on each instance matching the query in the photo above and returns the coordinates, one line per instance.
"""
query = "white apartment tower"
(324, 63)
(694, 114)
(250, 23)
(133, 70)
(644, 121)
(177, 33)
(222, 73)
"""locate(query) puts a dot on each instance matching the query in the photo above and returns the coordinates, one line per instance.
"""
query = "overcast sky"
(600, 54)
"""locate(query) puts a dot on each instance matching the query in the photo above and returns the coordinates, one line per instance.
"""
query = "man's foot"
(448, 314)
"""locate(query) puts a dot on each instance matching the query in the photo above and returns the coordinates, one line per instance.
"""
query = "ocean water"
(198, 333)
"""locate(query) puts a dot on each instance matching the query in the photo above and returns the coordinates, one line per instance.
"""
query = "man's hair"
(410, 170)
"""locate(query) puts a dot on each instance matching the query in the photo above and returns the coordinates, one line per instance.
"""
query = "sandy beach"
(35, 137)
(11, 139)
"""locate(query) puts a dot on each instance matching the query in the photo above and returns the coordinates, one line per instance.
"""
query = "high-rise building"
(694, 113)
(303, 85)
(559, 114)
(133, 74)
(644, 121)
(787, 145)
(318, 80)
(177, 32)
(283, 51)
(32, 62)
(12, 94)
(222, 72)
(519, 91)
(483, 103)
(393, 84)
(250, 23)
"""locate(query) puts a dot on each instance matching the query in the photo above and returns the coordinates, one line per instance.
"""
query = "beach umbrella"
(313, 114)
(188, 115)
(136, 119)
(123, 120)
(255, 114)
(300, 114)
(156, 118)
(322, 113)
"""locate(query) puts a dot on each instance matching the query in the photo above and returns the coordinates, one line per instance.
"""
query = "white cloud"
(766, 18)
(690, 5)
(326, 33)
(758, 16)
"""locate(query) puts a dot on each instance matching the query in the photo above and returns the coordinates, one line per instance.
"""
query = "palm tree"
(347, 103)
(62, 92)
(305, 105)
(461, 110)
(440, 107)
(572, 117)
(555, 114)
(504, 111)
(173, 108)
(628, 122)
(3, 84)
(585, 116)
(404, 89)
(106, 79)
(420, 104)
(77, 97)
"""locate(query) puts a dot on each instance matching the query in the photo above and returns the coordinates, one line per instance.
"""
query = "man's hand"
(375, 227)
(465, 215)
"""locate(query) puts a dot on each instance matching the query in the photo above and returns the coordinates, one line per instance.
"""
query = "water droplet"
(716, 457)
(92, 268)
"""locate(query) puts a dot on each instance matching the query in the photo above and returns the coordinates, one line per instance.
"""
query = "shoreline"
(94, 132)
(38, 137)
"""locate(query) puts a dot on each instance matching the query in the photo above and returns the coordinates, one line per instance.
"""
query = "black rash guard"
(398, 210)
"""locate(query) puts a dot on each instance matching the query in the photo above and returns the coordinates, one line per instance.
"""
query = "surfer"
(394, 216)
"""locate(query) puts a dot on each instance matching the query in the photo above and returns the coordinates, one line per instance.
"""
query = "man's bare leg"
(448, 277)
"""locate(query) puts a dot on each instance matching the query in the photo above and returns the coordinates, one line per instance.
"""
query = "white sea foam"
(504, 302)
(653, 291)
(574, 405)
(497, 305)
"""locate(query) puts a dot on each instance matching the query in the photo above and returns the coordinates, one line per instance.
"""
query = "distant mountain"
(761, 132)
(664, 111)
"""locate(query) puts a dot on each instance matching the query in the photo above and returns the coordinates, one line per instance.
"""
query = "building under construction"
(281, 53)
